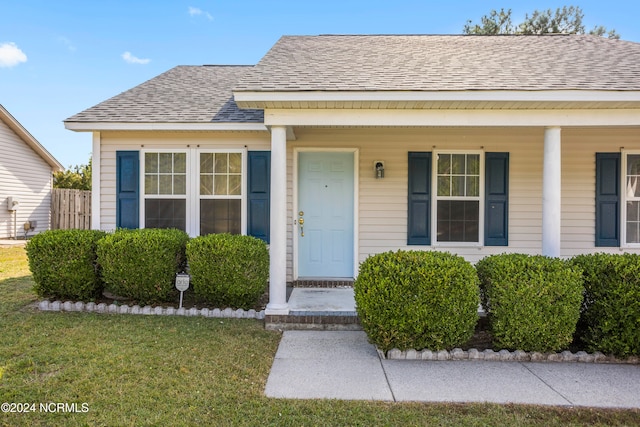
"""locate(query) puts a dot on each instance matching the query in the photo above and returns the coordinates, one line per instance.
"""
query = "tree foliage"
(77, 177)
(565, 20)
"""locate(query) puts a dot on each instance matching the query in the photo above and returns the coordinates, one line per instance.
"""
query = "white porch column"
(551, 202)
(95, 182)
(278, 214)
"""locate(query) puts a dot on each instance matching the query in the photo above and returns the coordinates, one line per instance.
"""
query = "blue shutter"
(419, 199)
(258, 194)
(496, 216)
(127, 189)
(608, 199)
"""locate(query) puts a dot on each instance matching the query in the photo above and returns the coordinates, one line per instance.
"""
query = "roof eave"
(275, 99)
(98, 126)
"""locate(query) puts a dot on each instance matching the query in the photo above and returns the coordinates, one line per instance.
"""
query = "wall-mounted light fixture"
(378, 167)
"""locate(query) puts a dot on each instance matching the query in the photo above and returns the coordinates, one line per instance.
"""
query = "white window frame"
(192, 196)
(624, 199)
(435, 198)
(144, 196)
(243, 190)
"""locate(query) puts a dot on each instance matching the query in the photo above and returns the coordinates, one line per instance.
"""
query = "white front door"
(326, 208)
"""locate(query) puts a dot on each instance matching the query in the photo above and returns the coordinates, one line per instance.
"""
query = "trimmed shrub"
(228, 270)
(142, 264)
(63, 263)
(532, 302)
(610, 316)
(417, 300)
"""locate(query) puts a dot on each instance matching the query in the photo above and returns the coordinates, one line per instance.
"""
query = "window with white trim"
(220, 191)
(458, 197)
(631, 196)
(199, 191)
(165, 190)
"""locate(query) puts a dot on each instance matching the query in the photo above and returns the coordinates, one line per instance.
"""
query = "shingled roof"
(184, 94)
(445, 63)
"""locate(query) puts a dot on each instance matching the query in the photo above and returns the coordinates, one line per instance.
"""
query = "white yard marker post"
(182, 284)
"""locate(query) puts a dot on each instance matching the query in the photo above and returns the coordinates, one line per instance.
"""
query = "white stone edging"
(92, 307)
(504, 355)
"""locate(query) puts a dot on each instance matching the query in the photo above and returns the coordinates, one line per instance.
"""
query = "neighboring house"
(26, 179)
(361, 144)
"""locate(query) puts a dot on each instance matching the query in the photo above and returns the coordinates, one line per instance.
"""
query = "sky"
(58, 58)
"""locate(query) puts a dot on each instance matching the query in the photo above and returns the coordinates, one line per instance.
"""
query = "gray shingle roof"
(184, 94)
(441, 62)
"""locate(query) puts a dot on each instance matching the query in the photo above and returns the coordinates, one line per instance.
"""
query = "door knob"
(301, 223)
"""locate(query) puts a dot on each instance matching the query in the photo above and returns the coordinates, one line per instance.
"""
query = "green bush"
(228, 270)
(415, 299)
(63, 263)
(610, 316)
(142, 264)
(532, 302)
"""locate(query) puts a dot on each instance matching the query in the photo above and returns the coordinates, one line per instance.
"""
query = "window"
(198, 191)
(458, 184)
(220, 193)
(165, 190)
(632, 199)
(467, 195)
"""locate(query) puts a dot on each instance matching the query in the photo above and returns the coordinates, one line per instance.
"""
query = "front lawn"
(139, 370)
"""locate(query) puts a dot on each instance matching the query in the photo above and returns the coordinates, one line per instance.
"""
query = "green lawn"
(161, 371)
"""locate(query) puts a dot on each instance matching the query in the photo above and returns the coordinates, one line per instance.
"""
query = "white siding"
(27, 177)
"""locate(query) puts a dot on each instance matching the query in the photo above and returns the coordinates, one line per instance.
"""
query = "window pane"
(220, 185)
(179, 184)
(206, 162)
(444, 186)
(444, 164)
(473, 186)
(457, 186)
(151, 162)
(165, 213)
(473, 164)
(166, 184)
(235, 162)
(633, 222)
(206, 185)
(166, 162)
(221, 163)
(633, 164)
(180, 163)
(151, 184)
(457, 164)
(633, 232)
(235, 185)
(633, 189)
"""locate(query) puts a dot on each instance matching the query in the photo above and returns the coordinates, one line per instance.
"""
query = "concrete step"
(318, 309)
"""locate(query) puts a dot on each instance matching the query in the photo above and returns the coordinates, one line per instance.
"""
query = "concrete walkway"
(343, 365)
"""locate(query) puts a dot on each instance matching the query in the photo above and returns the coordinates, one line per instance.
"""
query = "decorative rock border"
(147, 310)
(504, 355)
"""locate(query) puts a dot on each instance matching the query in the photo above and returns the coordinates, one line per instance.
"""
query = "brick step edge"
(91, 307)
(504, 355)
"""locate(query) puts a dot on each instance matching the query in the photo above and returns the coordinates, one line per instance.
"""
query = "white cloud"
(11, 55)
(194, 11)
(127, 56)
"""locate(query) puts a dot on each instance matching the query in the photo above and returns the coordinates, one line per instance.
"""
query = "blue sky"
(59, 58)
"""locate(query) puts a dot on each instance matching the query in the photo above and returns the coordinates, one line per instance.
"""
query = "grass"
(182, 371)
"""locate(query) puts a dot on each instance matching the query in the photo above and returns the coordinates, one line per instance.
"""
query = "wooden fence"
(70, 209)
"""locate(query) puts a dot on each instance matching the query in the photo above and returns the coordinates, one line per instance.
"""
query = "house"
(333, 148)
(26, 179)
